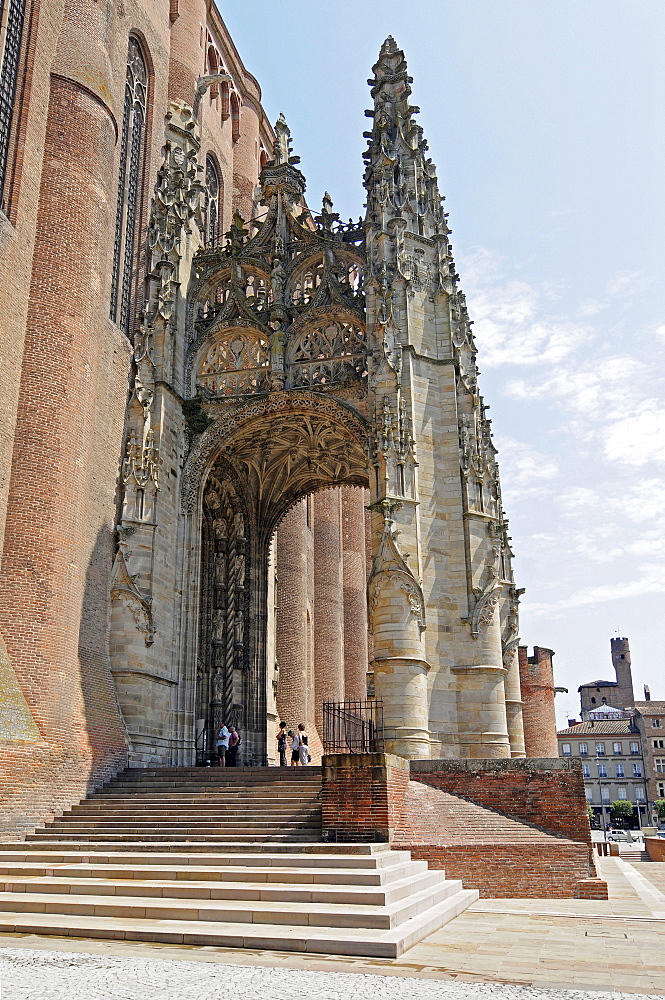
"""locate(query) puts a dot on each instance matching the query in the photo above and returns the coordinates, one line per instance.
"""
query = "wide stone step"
(154, 837)
(303, 913)
(356, 856)
(25, 869)
(229, 824)
(235, 891)
(369, 942)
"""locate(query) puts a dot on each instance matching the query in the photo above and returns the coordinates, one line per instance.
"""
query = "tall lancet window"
(213, 187)
(131, 160)
(12, 16)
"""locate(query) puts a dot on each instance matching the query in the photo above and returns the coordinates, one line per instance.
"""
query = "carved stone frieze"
(391, 576)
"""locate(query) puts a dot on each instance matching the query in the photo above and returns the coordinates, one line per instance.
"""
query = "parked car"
(627, 836)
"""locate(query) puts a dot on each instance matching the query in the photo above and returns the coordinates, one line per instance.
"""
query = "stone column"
(355, 593)
(328, 602)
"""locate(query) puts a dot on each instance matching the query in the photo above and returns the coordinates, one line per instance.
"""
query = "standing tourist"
(281, 744)
(303, 749)
(295, 748)
(232, 752)
(222, 745)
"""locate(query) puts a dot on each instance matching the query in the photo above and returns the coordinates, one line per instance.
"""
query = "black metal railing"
(353, 726)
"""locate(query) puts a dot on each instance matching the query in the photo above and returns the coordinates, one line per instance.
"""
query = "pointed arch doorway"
(247, 471)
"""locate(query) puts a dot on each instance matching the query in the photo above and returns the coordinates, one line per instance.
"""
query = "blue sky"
(546, 119)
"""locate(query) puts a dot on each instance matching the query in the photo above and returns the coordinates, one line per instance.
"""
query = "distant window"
(584, 749)
(593, 701)
(600, 749)
(637, 770)
(605, 794)
(659, 744)
(589, 794)
(659, 765)
(604, 701)
(565, 749)
(639, 794)
(602, 770)
(586, 770)
(621, 793)
(617, 748)
(660, 789)
(619, 771)
(623, 656)
(634, 748)
(655, 723)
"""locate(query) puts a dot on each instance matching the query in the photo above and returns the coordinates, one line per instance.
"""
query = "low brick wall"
(518, 871)
(362, 796)
(655, 848)
(545, 791)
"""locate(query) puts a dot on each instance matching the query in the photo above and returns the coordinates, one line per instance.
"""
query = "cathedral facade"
(246, 466)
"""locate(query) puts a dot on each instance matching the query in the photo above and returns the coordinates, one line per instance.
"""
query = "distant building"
(619, 692)
(613, 764)
(650, 719)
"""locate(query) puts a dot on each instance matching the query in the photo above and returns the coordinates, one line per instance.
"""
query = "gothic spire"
(400, 179)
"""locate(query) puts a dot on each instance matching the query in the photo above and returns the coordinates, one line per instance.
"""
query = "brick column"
(329, 644)
(294, 622)
(356, 657)
(538, 712)
(54, 591)
(187, 54)
(291, 615)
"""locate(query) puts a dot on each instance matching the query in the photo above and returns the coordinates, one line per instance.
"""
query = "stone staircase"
(229, 858)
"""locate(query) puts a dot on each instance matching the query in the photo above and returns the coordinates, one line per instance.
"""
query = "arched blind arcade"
(131, 158)
(12, 16)
(213, 189)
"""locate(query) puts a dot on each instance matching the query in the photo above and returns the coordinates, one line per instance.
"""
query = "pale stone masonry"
(245, 465)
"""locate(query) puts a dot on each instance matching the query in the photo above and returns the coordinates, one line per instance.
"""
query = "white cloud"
(651, 581)
(523, 467)
(510, 317)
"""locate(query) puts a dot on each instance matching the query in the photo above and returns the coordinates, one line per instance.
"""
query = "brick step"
(283, 892)
(321, 940)
(186, 874)
(304, 913)
(436, 817)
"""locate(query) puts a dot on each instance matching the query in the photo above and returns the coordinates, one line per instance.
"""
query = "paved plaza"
(503, 948)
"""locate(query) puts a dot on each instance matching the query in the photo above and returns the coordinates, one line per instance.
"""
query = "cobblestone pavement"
(48, 975)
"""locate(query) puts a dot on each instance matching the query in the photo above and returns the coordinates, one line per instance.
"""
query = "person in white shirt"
(295, 748)
(222, 745)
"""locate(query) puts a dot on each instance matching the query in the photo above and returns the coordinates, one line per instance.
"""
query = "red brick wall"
(547, 793)
(519, 871)
(362, 796)
(655, 847)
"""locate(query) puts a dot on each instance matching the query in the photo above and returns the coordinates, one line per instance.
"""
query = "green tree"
(621, 811)
(659, 807)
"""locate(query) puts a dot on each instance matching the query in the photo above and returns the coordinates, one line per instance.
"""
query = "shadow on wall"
(83, 742)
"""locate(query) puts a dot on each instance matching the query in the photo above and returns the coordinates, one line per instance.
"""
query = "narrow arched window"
(213, 188)
(235, 118)
(12, 16)
(131, 161)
